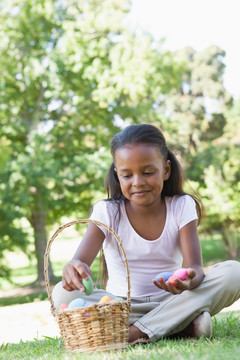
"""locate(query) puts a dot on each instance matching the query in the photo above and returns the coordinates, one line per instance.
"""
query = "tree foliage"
(203, 128)
(222, 183)
(70, 72)
(196, 108)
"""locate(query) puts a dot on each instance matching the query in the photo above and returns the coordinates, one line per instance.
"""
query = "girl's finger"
(82, 271)
(191, 273)
(76, 281)
(73, 279)
(173, 289)
(66, 285)
(163, 284)
(156, 283)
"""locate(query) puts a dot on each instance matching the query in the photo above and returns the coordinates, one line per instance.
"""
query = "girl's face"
(141, 171)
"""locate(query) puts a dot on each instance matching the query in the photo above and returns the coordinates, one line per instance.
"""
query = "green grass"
(225, 344)
(213, 249)
(36, 296)
(21, 277)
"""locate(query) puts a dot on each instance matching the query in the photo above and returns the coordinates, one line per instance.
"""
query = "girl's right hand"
(180, 285)
(73, 272)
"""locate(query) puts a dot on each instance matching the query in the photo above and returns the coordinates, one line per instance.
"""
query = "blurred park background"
(72, 74)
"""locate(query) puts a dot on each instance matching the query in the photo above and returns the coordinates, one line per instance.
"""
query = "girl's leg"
(220, 288)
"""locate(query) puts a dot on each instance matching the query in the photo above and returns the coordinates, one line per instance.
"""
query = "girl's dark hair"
(148, 134)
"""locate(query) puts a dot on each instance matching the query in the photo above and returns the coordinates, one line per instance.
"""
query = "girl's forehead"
(140, 151)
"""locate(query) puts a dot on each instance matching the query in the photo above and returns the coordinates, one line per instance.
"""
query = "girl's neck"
(149, 211)
(147, 221)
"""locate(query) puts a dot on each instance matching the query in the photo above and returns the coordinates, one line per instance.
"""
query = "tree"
(68, 77)
(221, 187)
(200, 113)
(195, 109)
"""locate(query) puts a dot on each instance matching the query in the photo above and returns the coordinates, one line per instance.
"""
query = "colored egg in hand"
(181, 274)
(165, 275)
(172, 280)
(89, 286)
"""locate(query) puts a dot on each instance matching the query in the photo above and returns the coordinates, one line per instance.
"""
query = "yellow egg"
(104, 299)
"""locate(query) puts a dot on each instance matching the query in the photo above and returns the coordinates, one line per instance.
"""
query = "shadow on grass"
(14, 300)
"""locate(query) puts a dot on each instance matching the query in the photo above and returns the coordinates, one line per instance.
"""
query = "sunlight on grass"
(225, 344)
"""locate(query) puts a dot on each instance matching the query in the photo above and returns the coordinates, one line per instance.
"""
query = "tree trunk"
(38, 222)
(231, 242)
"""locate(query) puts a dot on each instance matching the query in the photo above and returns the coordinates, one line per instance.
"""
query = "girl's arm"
(79, 267)
(192, 260)
(191, 250)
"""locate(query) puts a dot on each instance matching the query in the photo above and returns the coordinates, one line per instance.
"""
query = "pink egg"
(63, 306)
(181, 274)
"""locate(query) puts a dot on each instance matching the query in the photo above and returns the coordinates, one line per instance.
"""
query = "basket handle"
(60, 229)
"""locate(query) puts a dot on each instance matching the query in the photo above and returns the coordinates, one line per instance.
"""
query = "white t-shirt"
(146, 258)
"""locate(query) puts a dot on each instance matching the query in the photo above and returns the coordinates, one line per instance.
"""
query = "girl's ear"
(167, 170)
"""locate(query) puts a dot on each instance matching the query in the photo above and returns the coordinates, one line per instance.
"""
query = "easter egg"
(88, 284)
(172, 280)
(76, 303)
(119, 299)
(87, 304)
(104, 299)
(165, 275)
(63, 306)
(86, 315)
(181, 274)
(113, 302)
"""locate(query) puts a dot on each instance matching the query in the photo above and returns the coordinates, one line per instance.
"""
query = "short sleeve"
(100, 213)
(185, 210)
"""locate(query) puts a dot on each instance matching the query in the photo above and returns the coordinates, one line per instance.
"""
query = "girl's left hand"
(181, 285)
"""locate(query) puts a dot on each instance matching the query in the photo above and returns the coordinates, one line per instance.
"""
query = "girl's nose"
(137, 180)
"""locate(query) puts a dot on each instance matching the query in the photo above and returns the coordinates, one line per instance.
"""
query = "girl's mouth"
(140, 193)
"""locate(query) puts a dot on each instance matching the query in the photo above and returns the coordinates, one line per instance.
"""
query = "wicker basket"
(97, 327)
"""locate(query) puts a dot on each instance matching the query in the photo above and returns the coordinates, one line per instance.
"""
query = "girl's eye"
(126, 176)
(148, 173)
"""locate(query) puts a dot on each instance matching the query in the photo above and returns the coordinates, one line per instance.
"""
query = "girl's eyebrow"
(143, 167)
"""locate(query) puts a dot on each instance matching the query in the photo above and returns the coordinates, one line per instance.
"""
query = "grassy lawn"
(225, 344)
(23, 276)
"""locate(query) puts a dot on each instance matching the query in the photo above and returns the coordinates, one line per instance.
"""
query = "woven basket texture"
(98, 327)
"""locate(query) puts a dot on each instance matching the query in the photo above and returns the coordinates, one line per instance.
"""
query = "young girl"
(157, 223)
